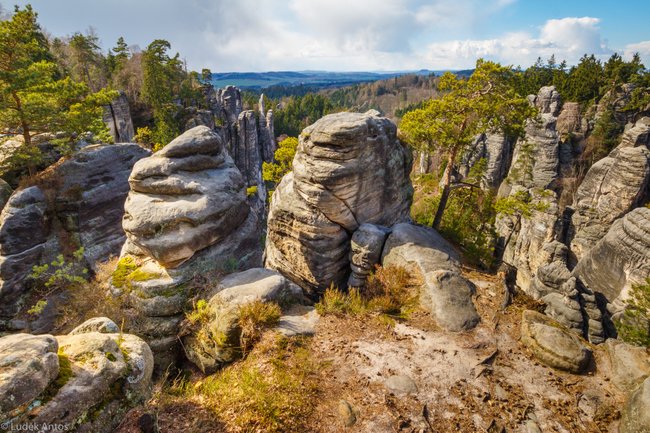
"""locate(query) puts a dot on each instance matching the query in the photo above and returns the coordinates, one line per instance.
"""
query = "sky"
(359, 35)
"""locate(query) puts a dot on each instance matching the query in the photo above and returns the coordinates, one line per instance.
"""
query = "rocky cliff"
(75, 203)
(117, 117)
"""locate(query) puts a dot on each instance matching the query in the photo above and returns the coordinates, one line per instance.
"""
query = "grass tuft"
(254, 318)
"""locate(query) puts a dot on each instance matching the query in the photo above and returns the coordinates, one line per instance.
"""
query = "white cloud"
(567, 38)
(643, 48)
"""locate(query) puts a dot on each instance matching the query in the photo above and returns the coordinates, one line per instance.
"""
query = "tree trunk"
(27, 134)
(446, 188)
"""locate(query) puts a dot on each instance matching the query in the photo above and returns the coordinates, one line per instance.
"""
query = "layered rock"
(250, 139)
(620, 259)
(218, 339)
(445, 293)
(77, 203)
(365, 252)
(85, 382)
(117, 117)
(552, 344)
(349, 169)
(497, 150)
(185, 197)
(630, 364)
(636, 414)
(612, 187)
(185, 215)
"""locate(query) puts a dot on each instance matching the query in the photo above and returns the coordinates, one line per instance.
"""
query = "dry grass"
(272, 390)
(94, 299)
(254, 318)
(389, 294)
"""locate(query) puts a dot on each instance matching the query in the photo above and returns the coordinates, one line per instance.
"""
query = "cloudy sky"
(354, 35)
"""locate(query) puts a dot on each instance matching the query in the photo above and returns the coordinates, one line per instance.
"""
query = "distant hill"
(311, 79)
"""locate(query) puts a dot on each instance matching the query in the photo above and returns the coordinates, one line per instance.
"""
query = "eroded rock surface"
(91, 382)
(217, 341)
(77, 203)
(349, 169)
(552, 344)
(446, 293)
(184, 198)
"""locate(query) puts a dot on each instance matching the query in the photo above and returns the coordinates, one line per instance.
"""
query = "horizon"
(366, 36)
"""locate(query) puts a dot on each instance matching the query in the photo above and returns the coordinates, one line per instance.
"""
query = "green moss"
(128, 271)
(251, 190)
(65, 374)
(111, 357)
(125, 266)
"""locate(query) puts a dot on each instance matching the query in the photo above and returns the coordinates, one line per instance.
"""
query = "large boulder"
(365, 253)
(349, 169)
(217, 340)
(186, 216)
(117, 117)
(612, 187)
(184, 198)
(76, 203)
(86, 382)
(553, 344)
(446, 293)
(630, 364)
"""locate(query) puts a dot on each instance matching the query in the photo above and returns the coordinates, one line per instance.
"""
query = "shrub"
(254, 318)
(634, 325)
(387, 293)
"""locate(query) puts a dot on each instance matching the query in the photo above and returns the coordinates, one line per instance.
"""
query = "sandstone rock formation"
(620, 259)
(77, 203)
(117, 116)
(185, 215)
(185, 197)
(217, 341)
(248, 140)
(636, 414)
(612, 187)
(630, 364)
(86, 382)
(497, 151)
(552, 344)
(365, 252)
(5, 193)
(446, 293)
(349, 169)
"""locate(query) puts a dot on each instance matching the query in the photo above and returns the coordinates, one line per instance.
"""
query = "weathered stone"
(620, 259)
(349, 169)
(217, 341)
(117, 117)
(102, 325)
(569, 120)
(298, 320)
(612, 187)
(99, 377)
(497, 150)
(184, 198)
(28, 363)
(553, 344)
(630, 364)
(346, 413)
(5, 193)
(636, 414)
(78, 203)
(401, 384)
(367, 244)
(446, 293)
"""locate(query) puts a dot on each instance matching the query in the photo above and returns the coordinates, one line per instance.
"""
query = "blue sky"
(349, 35)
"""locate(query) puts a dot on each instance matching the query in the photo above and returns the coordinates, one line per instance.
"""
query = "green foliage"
(486, 102)
(299, 112)
(200, 314)
(469, 219)
(35, 98)
(61, 273)
(286, 151)
(38, 308)
(604, 138)
(634, 325)
(251, 190)
(125, 266)
(144, 135)
(521, 203)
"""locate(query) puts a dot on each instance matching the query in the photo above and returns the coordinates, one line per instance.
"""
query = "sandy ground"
(478, 381)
